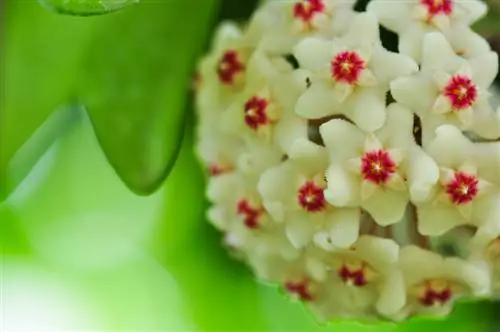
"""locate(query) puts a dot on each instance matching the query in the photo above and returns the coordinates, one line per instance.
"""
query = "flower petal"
(466, 42)
(388, 66)
(343, 187)
(363, 30)
(342, 139)
(410, 41)
(318, 101)
(299, 230)
(313, 53)
(435, 220)
(423, 175)
(397, 131)
(416, 92)
(392, 295)
(438, 55)
(344, 227)
(386, 206)
(381, 253)
(277, 183)
(368, 108)
(484, 68)
(486, 121)
(418, 264)
(288, 130)
(450, 148)
(392, 14)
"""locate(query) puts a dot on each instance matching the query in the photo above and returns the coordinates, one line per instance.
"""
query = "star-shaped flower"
(222, 72)
(449, 89)
(351, 74)
(368, 170)
(278, 26)
(265, 109)
(412, 19)
(293, 192)
(363, 279)
(461, 196)
(433, 283)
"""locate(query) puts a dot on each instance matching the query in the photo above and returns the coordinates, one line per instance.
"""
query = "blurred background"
(102, 202)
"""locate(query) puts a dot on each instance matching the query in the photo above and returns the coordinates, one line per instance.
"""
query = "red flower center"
(251, 214)
(461, 92)
(300, 289)
(355, 277)
(436, 7)
(347, 66)
(377, 166)
(229, 67)
(218, 169)
(305, 10)
(463, 188)
(255, 112)
(311, 198)
(434, 293)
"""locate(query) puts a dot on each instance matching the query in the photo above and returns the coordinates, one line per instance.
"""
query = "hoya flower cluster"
(365, 182)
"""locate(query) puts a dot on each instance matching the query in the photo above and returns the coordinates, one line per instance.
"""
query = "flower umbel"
(333, 191)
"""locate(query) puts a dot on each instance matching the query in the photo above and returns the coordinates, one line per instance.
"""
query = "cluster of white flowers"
(365, 182)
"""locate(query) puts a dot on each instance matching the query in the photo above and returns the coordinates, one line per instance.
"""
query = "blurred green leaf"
(37, 145)
(13, 238)
(135, 83)
(86, 7)
(39, 60)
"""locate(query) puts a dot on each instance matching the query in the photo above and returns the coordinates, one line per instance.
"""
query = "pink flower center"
(353, 276)
(251, 214)
(461, 92)
(305, 10)
(256, 112)
(435, 293)
(377, 166)
(436, 7)
(311, 198)
(301, 289)
(229, 67)
(463, 188)
(347, 66)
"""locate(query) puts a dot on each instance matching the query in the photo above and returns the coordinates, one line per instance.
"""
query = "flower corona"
(341, 171)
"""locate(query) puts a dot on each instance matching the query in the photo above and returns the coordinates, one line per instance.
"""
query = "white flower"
(219, 152)
(351, 74)
(239, 213)
(222, 72)
(461, 196)
(412, 19)
(433, 282)
(307, 269)
(485, 248)
(362, 279)
(293, 193)
(265, 108)
(278, 26)
(449, 89)
(366, 170)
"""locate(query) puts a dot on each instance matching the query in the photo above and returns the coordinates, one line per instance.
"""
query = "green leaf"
(135, 84)
(39, 63)
(37, 145)
(86, 7)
